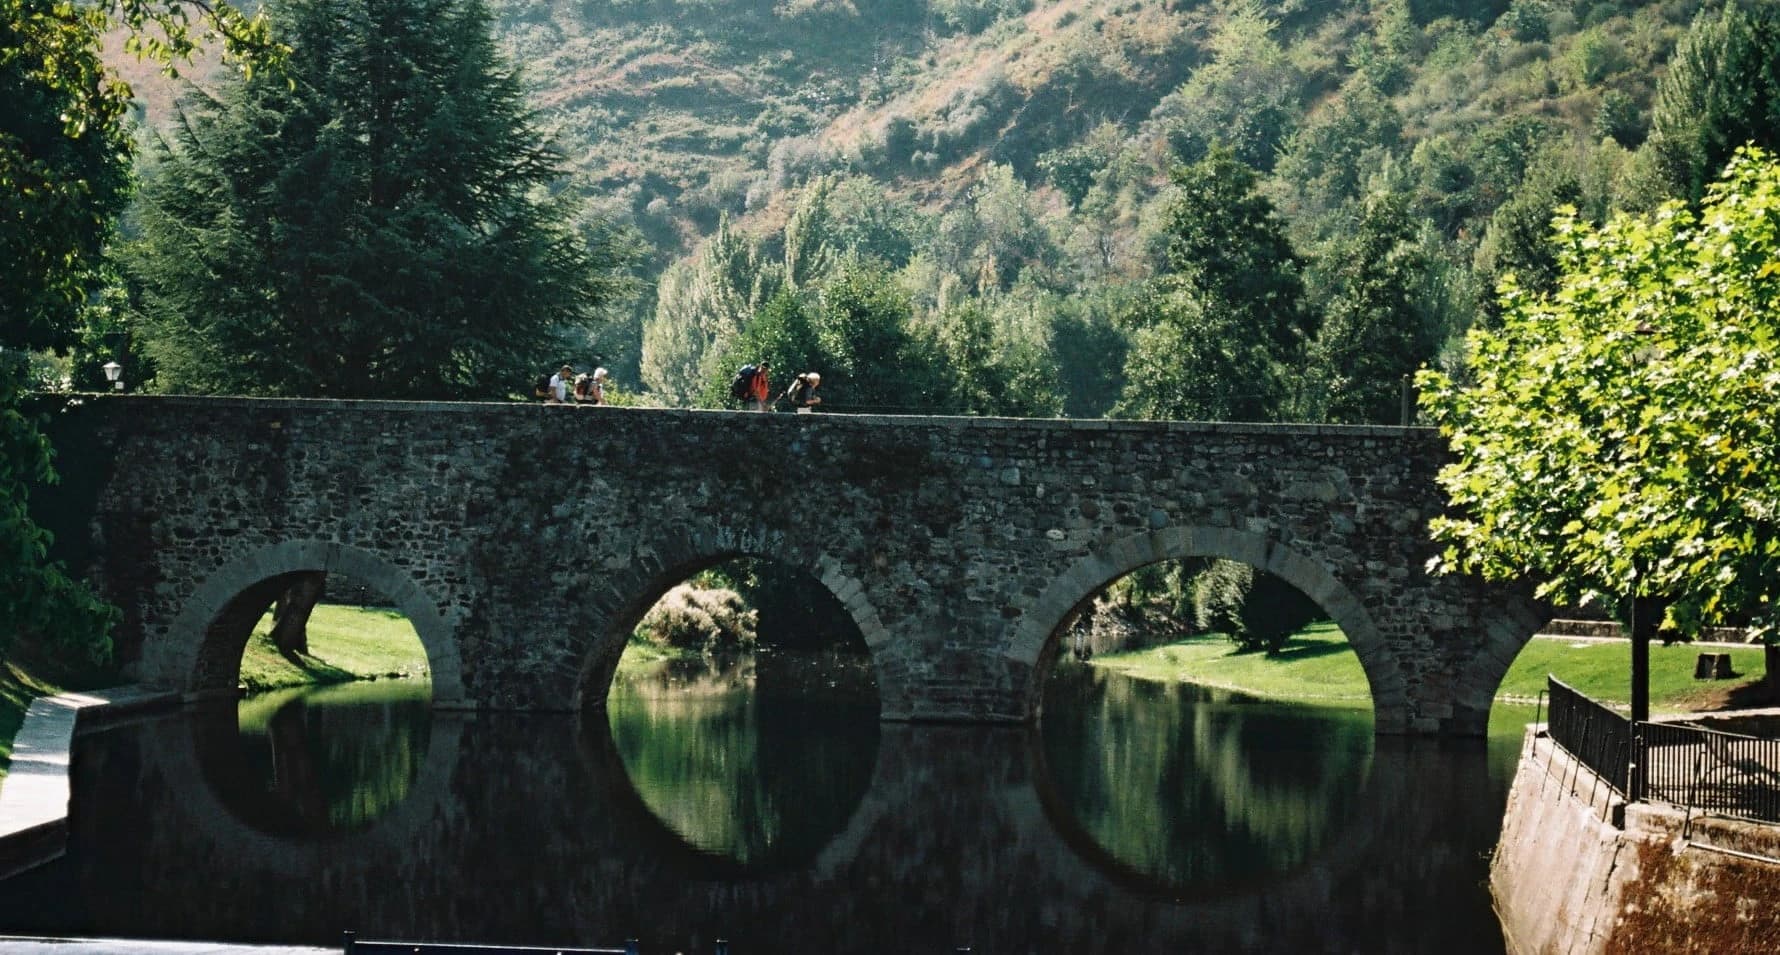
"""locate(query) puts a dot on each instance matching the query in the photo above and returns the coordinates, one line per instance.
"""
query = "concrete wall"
(524, 542)
(1578, 872)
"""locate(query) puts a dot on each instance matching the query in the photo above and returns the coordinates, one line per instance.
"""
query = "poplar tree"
(376, 223)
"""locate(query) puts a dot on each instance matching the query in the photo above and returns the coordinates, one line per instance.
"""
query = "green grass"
(1318, 665)
(345, 643)
(1315, 665)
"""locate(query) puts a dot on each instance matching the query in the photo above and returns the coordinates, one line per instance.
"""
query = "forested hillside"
(966, 205)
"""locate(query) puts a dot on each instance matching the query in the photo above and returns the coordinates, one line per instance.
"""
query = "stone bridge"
(525, 542)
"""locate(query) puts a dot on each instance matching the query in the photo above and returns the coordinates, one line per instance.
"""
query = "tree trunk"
(290, 613)
(1771, 663)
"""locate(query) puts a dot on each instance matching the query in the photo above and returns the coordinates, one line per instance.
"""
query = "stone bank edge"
(34, 795)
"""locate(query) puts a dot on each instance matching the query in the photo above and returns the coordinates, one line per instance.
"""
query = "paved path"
(14, 945)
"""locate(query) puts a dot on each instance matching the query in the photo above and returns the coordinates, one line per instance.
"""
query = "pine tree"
(376, 225)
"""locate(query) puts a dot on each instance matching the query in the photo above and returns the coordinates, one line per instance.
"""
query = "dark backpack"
(743, 385)
(541, 387)
(800, 386)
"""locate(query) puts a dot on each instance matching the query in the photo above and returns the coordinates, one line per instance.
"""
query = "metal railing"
(1596, 736)
(1705, 771)
(1713, 772)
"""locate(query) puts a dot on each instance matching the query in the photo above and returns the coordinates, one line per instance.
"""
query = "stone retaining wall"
(1579, 872)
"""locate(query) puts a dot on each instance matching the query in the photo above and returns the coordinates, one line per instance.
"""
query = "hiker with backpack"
(591, 389)
(802, 394)
(752, 388)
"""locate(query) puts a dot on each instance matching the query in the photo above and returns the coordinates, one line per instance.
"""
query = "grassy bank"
(1318, 665)
(345, 644)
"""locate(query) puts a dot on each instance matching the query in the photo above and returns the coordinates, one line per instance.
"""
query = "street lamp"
(114, 373)
(1643, 621)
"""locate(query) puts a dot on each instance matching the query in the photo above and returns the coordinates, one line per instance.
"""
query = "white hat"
(814, 377)
(599, 373)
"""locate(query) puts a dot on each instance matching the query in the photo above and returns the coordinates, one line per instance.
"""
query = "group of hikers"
(752, 387)
(566, 387)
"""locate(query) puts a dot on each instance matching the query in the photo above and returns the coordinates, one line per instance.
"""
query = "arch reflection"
(1181, 791)
(316, 761)
(731, 771)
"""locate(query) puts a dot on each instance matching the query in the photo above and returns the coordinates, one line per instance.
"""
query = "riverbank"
(1319, 665)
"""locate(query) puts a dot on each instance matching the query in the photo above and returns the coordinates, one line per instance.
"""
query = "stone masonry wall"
(525, 541)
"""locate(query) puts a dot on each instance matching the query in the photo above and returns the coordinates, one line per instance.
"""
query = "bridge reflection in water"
(781, 825)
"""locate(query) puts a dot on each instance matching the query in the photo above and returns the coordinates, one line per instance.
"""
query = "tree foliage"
(1618, 438)
(374, 226)
(1374, 333)
(1722, 90)
(64, 176)
(1217, 337)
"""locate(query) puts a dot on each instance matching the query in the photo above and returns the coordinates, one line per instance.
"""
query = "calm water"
(1137, 818)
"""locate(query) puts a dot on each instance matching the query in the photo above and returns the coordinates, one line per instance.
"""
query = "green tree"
(1247, 97)
(375, 225)
(1618, 437)
(1222, 334)
(1722, 90)
(701, 305)
(1374, 334)
(64, 161)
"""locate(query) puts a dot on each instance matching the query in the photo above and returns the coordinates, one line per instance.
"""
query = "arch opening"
(1164, 766)
(744, 710)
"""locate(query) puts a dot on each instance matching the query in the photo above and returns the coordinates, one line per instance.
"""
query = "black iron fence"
(1596, 736)
(1705, 770)
(1700, 769)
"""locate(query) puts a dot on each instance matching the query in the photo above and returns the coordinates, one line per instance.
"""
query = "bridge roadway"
(525, 542)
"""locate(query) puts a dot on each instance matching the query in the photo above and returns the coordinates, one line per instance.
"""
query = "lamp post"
(114, 373)
(1642, 620)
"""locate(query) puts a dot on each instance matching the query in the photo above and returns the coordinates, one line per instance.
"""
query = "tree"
(1217, 336)
(1721, 91)
(1247, 97)
(376, 225)
(1374, 334)
(1618, 439)
(701, 305)
(64, 176)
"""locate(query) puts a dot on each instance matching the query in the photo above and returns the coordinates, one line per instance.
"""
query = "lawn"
(345, 643)
(1318, 665)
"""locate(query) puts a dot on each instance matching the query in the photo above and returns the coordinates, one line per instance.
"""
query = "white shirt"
(559, 386)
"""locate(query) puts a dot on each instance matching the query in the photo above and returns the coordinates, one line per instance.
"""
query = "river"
(1136, 817)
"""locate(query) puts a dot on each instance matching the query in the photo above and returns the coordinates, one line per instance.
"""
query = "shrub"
(706, 620)
(1257, 610)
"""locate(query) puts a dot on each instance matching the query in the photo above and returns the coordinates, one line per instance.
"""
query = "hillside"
(676, 114)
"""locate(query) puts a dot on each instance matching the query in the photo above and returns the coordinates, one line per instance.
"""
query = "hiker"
(759, 391)
(802, 394)
(559, 385)
(591, 389)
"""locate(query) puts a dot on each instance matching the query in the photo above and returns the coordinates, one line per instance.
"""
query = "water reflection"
(535, 830)
(733, 770)
(317, 760)
(1196, 789)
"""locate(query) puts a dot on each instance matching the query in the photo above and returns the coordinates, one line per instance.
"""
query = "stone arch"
(200, 652)
(1081, 580)
(673, 558)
